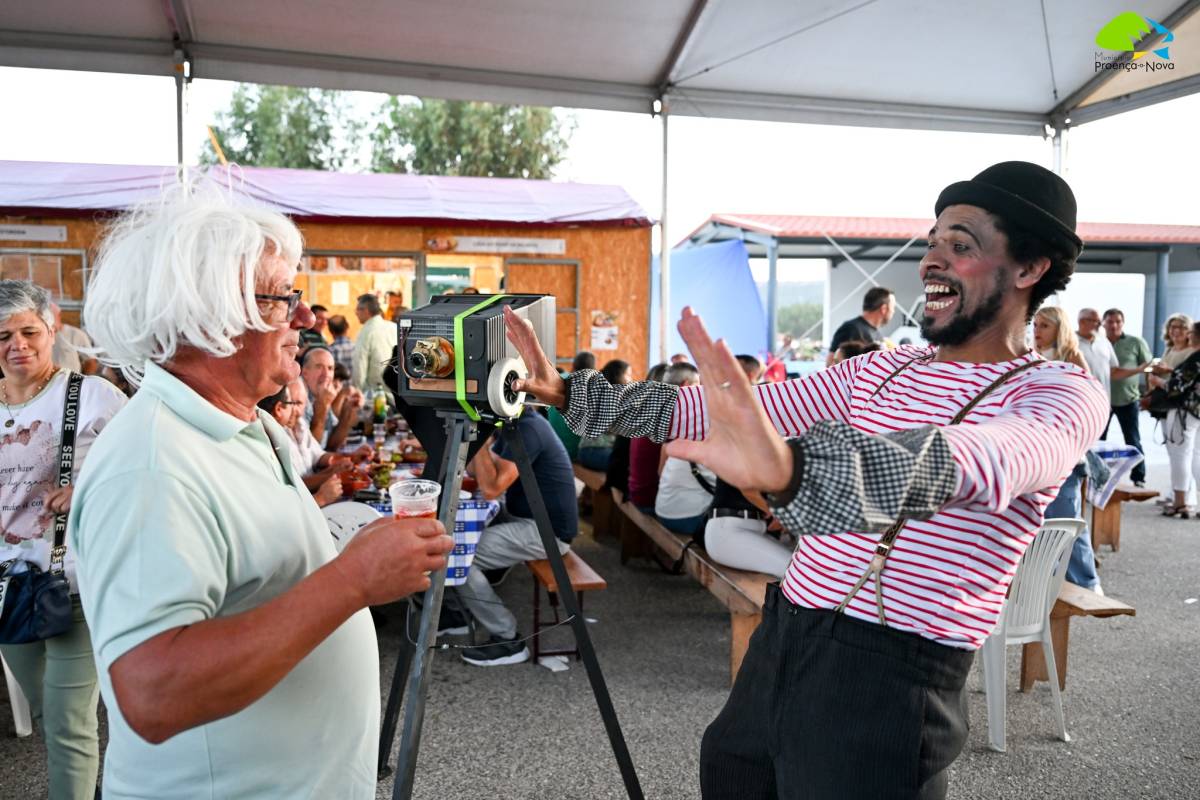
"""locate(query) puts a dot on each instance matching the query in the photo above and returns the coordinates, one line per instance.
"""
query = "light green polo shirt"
(1131, 351)
(184, 513)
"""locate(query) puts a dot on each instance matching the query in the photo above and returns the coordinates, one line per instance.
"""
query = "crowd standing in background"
(1175, 380)
(70, 346)
(1055, 341)
(373, 346)
(342, 346)
(878, 308)
(311, 337)
(1133, 359)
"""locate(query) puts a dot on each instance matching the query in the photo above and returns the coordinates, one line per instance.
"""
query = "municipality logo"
(1123, 33)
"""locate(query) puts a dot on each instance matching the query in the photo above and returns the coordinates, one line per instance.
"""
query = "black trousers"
(827, 707)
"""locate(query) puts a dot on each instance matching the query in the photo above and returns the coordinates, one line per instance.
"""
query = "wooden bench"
(740, 591)
(583, 579)
(604, 510)
(1106, 522)
(1073, 601)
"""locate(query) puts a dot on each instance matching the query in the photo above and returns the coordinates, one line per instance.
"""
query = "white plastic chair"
(1026, 618)
(20, 706)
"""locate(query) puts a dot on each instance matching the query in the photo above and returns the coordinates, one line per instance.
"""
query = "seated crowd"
(734, 526)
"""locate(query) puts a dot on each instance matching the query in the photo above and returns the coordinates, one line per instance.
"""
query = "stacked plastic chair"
(1026, 618)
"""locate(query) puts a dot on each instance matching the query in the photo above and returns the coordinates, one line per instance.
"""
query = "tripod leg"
(391, 714)
(460, 432)
(582, 639)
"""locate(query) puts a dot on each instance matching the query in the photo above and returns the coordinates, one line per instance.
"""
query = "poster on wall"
(497, 244)
(604, 330)
(339, 293)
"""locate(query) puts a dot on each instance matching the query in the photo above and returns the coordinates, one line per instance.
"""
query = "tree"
(453, 137)
(795, 319)
(284, 126)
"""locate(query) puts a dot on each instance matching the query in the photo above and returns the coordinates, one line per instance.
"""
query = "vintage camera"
(453, 353)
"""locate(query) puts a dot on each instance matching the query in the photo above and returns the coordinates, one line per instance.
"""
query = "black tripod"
(413, 665)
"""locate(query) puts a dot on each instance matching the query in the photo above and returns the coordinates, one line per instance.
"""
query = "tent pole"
(772, 292)
(1057, 142)
(1161, 281)
(664, 252)
(181, 77)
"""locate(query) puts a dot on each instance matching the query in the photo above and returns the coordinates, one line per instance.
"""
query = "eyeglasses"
(292, 300)
(291, 402)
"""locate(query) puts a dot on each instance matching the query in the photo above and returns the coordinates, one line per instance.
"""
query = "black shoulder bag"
(36, 605)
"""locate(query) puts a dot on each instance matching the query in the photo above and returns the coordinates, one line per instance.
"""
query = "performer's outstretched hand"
(543, 381)
(742, 447)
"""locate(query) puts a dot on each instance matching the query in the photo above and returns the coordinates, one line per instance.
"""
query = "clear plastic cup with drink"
(415, 498)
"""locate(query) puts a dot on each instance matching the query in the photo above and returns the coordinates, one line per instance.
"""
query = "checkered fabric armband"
(596, 407)
(847, 480)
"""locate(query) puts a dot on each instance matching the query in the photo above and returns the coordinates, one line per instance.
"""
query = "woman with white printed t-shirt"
(57, 675)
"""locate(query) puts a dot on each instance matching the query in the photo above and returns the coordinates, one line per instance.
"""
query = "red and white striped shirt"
(947, 576)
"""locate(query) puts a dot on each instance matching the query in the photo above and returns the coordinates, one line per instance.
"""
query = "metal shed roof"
(900, 229)
(991, 65)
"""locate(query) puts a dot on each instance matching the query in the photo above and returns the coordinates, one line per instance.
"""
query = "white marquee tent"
(1000, 66)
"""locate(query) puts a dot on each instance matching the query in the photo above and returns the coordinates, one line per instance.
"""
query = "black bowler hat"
(1029, 196)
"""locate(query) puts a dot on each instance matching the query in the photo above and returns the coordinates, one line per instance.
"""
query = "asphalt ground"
(1132, 700)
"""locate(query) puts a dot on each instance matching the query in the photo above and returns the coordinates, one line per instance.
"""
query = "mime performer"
(914, 478)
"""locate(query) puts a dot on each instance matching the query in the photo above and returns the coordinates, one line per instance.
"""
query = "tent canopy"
(30, 187)
(981, 66)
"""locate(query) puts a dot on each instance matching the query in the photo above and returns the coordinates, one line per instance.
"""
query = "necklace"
(11, 421)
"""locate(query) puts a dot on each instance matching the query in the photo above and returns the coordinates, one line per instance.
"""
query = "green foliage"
(795, 319)
(284, 126)
(451, 137)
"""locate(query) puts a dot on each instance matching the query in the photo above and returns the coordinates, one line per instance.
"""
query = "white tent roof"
(989, 65)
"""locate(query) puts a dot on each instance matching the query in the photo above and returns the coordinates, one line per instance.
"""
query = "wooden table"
(1106, 522)
(1073, 601)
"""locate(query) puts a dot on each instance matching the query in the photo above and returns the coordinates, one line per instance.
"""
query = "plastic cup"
(415, 498)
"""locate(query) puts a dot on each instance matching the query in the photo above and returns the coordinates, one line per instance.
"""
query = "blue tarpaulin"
(715, 281)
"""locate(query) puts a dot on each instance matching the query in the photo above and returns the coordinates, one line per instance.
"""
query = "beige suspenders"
(884, 547)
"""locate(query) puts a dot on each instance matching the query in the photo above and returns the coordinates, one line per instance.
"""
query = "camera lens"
(418, 363)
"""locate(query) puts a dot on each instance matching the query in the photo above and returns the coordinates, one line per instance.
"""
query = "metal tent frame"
(759, 59)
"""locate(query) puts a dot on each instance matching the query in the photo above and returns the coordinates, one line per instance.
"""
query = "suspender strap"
(883, 548)
(66, 463)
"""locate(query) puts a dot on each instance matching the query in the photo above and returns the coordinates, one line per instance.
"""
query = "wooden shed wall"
(614, 277)
(614, 274)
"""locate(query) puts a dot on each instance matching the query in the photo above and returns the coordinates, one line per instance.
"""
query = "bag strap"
(883, 548)
(66, 463)
(700, 479)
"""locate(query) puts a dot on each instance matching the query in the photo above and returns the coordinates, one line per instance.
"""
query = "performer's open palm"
(543, 382)
(742, 447)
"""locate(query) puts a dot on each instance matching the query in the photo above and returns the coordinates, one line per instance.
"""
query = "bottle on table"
(379, 406)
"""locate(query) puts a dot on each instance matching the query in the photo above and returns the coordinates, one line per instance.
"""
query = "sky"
(1137, 167)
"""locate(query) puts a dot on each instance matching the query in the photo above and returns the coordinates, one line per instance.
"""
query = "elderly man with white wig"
(235, 653)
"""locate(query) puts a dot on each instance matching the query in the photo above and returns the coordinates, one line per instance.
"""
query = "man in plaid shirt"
(342, 345)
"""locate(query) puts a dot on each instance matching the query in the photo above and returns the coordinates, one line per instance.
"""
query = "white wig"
(181, 271)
